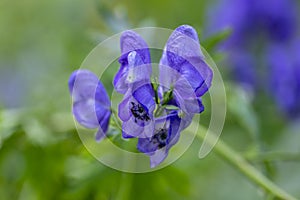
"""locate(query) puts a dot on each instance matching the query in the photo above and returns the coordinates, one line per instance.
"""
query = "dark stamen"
(160, 137)
(139, 112)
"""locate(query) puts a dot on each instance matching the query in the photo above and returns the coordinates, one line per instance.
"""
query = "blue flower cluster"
(263, 48)
(155, 112)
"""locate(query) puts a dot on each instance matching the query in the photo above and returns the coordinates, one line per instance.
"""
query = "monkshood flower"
(135, 62)
(274, 19)
(166, 134)
(183, 70)
(278, 18)
(284, 62)
(243, 65)
(236, 15)
(133, 80)
(154, 112)
(91, 104)
(255, 24)
(258, 49)
(136, 111)
(184, 78)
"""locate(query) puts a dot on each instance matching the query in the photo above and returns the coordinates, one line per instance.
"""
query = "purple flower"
(155, 113)
(91, 104)
(183, 69)
(278, 18)
(233, 14)
(135, 62)
(284, 62)
(255, 24)
(243, 65)
(166, 134)
(184, 78)
(146, 111)
(250, 19)
(136, 111)
(133, 80)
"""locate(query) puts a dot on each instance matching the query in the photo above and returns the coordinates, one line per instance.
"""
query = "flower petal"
(83, 85)
(148, 130)
(167, 76)
(186, 120)
(146, 146)
(135, 62)
(103, 118)
(152, 146)
(91, 104)
(138, 70)
(131, 129)
(183, 54)
(174, 131)
(149, 144)
(131, 41)
(200, 79)
(159, 156)
(144, 94)
(85, 113)
(186, 98)
(183, 45)
(100, 134)
(124, 109)
(133, 69)
(188, 31)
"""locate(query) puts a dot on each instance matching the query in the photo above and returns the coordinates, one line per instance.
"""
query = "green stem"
(117, 123)
(237, 161)
(274, 156)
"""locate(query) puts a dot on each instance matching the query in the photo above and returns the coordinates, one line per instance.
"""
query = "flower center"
(139, 112)
(160, 137)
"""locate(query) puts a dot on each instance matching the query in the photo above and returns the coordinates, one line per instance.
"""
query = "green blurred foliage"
(41, 155)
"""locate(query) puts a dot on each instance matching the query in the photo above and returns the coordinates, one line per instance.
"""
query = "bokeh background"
(256, 45)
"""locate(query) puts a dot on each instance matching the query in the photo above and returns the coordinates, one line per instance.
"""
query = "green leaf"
(211, 42)
(9, 121)
(240, 106)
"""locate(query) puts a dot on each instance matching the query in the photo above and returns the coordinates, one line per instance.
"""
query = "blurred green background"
(41, 155)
